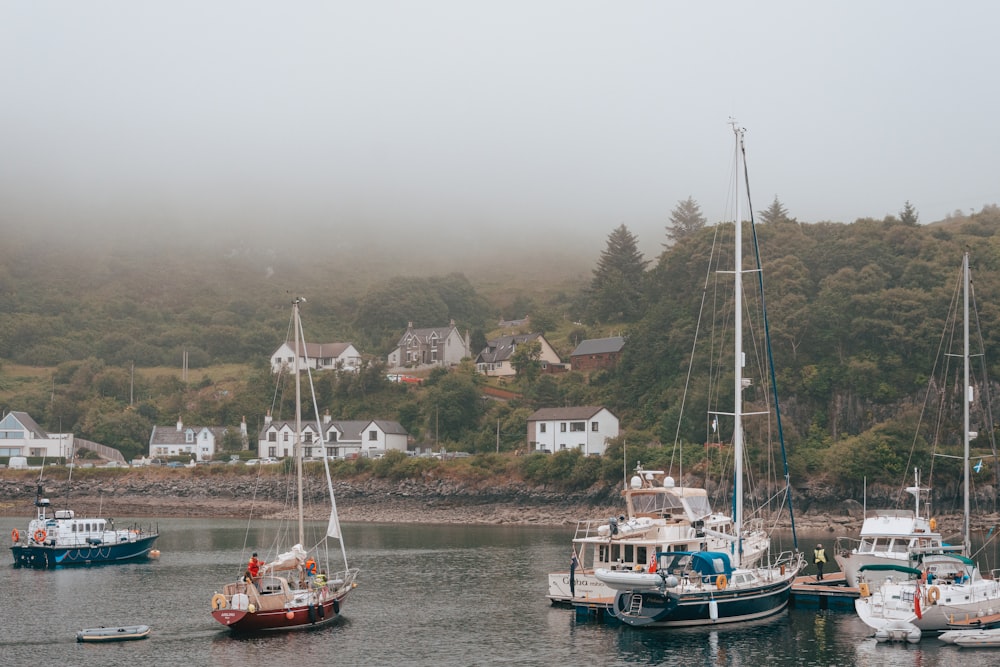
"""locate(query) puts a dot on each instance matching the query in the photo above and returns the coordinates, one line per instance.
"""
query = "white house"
(495, 358)
(198, 442)
(20, 435)
(342, 438)
(436, 346)
(587, 428)
(317, 356)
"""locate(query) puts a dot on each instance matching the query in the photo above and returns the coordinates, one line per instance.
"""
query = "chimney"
(243, 427)
(180, 424)
(326, 417)
(267, 418)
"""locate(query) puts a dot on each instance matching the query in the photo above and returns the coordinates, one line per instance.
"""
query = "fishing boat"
(695, 587)
(943, 587)
(57, 538)
(660, 515)
(892, 537)
(291, 590)
(122, 633)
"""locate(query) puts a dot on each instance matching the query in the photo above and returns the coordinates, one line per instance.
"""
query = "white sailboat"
(945, 586)
(686, 588)
(291, 591)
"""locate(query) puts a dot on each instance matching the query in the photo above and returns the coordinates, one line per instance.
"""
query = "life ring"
(40, 536)
(218, 601)
(933, 595)
(14, 535)
(721, 582)
(933, 524)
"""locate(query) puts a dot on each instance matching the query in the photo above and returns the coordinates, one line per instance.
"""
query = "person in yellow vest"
(819, 557)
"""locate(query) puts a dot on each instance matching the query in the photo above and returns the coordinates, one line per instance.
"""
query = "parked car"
(252, 462)
(268, 461)
(175, 464)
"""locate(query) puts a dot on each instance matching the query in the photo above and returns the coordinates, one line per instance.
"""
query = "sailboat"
(291, 591)
(689, 588)
(943, 587)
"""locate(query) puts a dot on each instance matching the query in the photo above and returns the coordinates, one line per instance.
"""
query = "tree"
(616, 288)
(776, 212)
(685, 220)
(526, 360)
(909, 215)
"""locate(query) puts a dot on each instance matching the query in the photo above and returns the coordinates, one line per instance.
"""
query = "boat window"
(603, 554)
(629, 554)
(656, 503)
(699, 506)
(640, 555)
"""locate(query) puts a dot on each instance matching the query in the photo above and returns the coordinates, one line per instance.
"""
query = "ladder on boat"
(635, 606)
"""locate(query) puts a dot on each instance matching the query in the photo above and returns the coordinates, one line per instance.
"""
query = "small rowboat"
(116, 634)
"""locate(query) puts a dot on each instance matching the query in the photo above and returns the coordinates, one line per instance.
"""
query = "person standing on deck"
(819, 557)
(573, 562)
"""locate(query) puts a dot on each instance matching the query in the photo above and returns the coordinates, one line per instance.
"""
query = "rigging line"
(694, 344)
(770, 352)
(985, 399)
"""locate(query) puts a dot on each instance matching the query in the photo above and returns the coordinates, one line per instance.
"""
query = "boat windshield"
(659, 503)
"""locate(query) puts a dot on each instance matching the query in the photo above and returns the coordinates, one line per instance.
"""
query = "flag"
(978, 466)
(652, 563)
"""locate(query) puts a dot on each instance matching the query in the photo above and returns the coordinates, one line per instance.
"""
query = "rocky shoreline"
(369, 499)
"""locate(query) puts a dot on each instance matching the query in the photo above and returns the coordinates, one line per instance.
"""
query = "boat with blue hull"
(705, 587)
(57, 538)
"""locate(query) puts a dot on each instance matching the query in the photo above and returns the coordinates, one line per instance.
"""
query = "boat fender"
(933, 595)
(321, 610)
(312, 613)
(713, 610)
(252, 608)
(40, 535)
(218, 601)
(14, 535)
(863, 589)
(336, 606)
(721, 582)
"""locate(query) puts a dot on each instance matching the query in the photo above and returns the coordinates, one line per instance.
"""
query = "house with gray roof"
(597, 353)
(495, 358)
(198, 442)
(331, 438)
(587, 428)
(20, 435)
(435, 346)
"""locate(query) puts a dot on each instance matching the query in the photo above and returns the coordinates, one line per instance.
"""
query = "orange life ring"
(40, 535)
(721, 582)
(933, 524)
(218, 601)
(14, 535)
(933, 594)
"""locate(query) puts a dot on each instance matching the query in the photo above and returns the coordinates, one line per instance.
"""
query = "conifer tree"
(616, 288)
(685, 219)
(776, 212)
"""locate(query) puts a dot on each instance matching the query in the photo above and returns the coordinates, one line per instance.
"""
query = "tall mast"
(968, 399)
(738, 352)
(298, 418)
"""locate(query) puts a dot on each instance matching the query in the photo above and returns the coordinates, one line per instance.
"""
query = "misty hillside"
(856, 311)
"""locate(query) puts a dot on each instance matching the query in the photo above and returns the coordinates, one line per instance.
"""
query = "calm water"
(429, 595)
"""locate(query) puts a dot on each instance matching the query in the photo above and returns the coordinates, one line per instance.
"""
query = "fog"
(375, 126)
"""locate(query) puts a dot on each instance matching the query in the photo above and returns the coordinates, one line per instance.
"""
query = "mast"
(738, 354)
(298, 419)
(967, 541)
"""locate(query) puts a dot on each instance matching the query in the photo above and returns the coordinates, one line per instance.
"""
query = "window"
(541, 427)
(578, 427)
(272, 437)
(285, 436)
(595, 426)
(562, 427)
(373, 435)
(307, 436)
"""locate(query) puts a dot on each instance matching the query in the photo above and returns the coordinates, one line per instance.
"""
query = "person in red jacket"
(253, 567)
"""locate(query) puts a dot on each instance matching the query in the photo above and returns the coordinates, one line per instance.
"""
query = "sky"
(470, 122)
